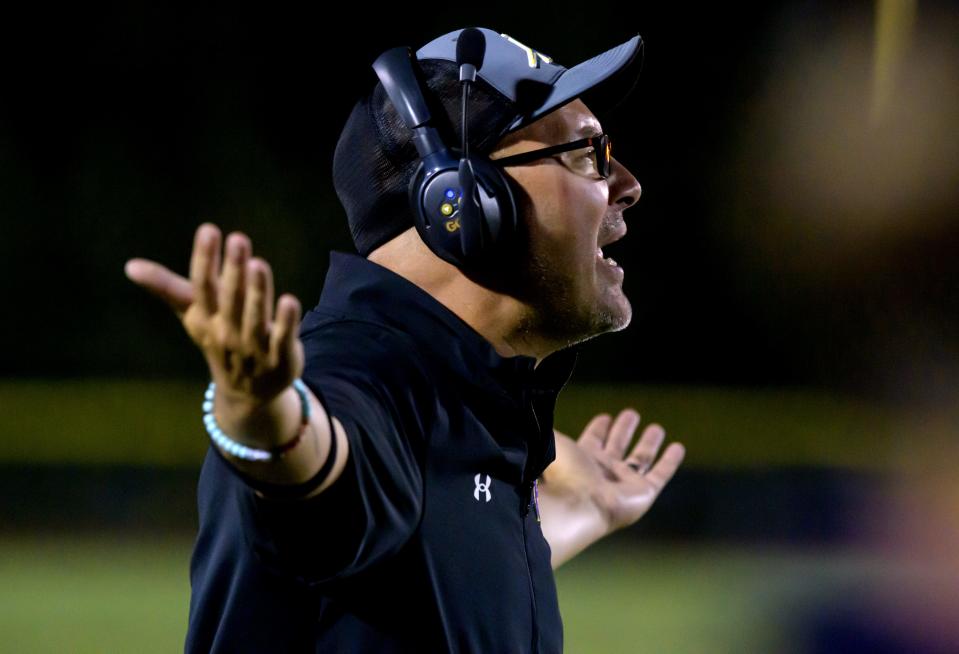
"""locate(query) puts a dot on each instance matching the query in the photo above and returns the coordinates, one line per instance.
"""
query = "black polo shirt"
(430, 540)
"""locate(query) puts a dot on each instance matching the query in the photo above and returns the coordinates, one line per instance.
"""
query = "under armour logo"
(482, 487)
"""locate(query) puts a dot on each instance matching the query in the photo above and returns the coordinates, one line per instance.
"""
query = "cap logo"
(532, 56)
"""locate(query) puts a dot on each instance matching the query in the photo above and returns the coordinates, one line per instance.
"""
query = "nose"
(624, 189)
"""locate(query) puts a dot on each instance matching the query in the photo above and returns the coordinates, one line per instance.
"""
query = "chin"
(615, 315)
(567, 310)
(611, 313)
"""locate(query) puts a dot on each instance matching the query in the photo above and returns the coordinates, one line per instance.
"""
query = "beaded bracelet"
(241, 451)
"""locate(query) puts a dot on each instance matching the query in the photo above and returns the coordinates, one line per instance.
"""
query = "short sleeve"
(374, 507)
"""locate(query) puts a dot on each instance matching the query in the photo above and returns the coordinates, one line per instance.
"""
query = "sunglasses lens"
(603, 154)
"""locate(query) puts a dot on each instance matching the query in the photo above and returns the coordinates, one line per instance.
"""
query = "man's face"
(570, 213)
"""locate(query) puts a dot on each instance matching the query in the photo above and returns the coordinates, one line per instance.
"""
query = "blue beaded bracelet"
(241, 451)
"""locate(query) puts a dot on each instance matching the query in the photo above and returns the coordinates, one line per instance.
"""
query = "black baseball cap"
(516, 85)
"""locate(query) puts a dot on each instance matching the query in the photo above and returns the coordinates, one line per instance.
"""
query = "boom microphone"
(470, 51)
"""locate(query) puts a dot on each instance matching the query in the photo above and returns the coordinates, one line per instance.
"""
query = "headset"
(463, 205)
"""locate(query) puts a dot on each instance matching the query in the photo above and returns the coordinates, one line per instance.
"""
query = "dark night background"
(124, 127)
(793, 265)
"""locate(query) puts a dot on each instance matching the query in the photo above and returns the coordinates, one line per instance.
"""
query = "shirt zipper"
(530, 488)
(532, 591)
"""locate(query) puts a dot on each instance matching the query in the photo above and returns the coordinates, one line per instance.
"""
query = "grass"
(97, 594)
(89, 595)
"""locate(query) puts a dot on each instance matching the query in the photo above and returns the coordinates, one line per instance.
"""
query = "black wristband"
(290, 491)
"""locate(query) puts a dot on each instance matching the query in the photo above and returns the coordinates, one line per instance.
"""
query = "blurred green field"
(98, 594)
(106, 421)
(90, 594)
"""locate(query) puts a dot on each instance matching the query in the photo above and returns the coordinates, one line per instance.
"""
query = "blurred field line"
(101, 421)
(139, 422)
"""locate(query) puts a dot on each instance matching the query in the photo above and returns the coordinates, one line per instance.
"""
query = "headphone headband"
(463, 207)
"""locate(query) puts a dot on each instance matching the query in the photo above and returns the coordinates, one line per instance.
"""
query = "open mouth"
(607, 260)
(610, 245)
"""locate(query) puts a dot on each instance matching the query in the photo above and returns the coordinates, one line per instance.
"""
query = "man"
(390, 502)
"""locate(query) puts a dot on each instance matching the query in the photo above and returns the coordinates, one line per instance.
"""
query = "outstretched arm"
(253, 356)
(592, 488)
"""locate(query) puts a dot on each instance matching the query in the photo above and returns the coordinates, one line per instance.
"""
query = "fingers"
(205, 266)
(229, 314)
(645, 450)
(621, 433)
(257, 307)
(173, 289)
(594, 435)
(232, 286)
(666, 467)
(284, 339)
(612, 438)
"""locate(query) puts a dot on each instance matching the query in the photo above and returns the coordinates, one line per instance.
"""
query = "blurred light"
(853, 144)
(895, 23)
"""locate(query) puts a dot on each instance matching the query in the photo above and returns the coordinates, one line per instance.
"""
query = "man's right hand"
(253, 356)
(229, 315)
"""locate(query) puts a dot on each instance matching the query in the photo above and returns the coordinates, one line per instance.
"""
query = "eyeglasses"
(602, 152)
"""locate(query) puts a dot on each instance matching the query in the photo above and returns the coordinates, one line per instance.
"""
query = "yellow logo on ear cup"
(452, 225)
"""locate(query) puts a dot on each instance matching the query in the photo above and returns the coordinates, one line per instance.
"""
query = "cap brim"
(601, 82)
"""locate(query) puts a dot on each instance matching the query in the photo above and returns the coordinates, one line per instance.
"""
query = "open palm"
(623, 487)
(226, 307)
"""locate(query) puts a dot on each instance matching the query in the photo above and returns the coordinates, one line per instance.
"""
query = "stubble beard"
(559, 313)
(544, 282)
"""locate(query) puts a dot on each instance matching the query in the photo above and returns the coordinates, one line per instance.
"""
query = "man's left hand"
(594, 487)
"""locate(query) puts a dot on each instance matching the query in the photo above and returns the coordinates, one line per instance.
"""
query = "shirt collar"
(358, 287)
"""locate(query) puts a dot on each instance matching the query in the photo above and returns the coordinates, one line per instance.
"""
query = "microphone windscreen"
(471, 48)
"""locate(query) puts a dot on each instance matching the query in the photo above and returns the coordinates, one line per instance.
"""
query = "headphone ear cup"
(465, 235)
(493, 214)
(435, 197)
